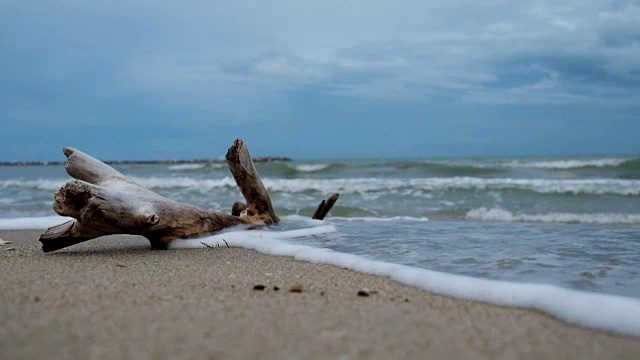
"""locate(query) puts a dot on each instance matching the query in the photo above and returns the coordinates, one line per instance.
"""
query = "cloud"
(234, 57)
(289, 70)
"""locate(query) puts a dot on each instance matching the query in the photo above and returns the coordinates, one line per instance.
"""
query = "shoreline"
(115, 298)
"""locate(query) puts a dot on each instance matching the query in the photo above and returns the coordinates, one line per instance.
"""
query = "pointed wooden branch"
(325, 206)
(258, 206)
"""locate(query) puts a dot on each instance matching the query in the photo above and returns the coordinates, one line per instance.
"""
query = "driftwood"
(103, 202)
(258, 207)
(325, 206)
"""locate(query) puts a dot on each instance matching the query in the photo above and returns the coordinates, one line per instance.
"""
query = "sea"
(547, 233)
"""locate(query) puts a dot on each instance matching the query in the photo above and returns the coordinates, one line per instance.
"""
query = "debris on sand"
(366, 292)
(296, 288)
(259, 287)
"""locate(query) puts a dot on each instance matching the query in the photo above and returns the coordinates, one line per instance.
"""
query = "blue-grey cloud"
(72, 62)
(408, 48)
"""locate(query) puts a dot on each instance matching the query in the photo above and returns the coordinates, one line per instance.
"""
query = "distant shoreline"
(259, 159)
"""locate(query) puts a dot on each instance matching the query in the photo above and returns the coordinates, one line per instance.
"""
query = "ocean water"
(568, 223)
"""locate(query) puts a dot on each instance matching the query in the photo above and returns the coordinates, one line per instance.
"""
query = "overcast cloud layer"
(150, 79)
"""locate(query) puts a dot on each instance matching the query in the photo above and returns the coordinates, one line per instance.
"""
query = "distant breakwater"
(260, 159)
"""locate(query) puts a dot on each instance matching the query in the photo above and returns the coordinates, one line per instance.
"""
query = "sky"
(142, 79)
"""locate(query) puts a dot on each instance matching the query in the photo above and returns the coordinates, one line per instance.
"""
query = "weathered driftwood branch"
(325, 206)
(258, 207)
(103, 202)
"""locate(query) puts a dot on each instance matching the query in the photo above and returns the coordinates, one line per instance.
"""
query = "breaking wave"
(373, 185)
(624, 187)
(498, 214)
(573, 164)
(38, 184)
(183, 167)
(308, 167)
(469, 167)
(379, 219)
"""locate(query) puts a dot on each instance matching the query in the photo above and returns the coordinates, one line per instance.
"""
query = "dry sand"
(113, 298)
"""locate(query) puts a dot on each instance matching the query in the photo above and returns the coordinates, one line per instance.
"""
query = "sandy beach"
(114, 298)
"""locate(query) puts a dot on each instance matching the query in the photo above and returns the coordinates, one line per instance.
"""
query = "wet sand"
(114, 298)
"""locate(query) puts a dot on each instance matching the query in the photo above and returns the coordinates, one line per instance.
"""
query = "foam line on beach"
(380, 219)
(32, 223)
(596, 311)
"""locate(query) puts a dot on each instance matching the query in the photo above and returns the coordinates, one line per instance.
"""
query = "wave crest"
(308, 167)
(186, 167)
(498, 214)
(373, 186)
(569, 164)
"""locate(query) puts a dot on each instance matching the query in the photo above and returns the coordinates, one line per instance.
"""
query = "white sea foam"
(32, 223)
(371, 186)
(38, 184)
(309, 167)
(622, 314)
(301, 220)
(498, 214)
(184, 182)
(380, 219)
(183, 167)
(566, 164)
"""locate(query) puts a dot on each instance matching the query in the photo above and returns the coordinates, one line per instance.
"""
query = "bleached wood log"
(103, 201)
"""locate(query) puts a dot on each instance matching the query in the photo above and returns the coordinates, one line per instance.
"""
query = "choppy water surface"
(573, 222)
(584, 257)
